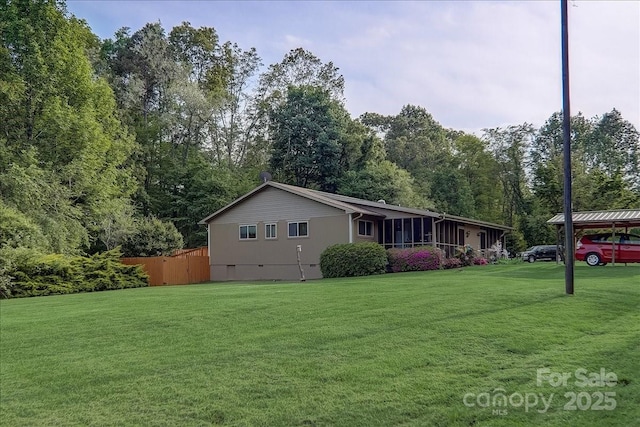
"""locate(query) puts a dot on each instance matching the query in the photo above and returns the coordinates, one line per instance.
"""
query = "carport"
(602, 220)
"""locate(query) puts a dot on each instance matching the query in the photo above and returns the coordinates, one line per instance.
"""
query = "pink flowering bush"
(451, 263)
(415, 259)
(480, 261)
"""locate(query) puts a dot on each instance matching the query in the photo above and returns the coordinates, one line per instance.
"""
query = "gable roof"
(316, 196)
(349, 205)
(379, 205)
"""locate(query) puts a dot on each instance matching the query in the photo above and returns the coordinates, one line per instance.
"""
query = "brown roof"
(380, 205)
(303, 192)
(350, 205)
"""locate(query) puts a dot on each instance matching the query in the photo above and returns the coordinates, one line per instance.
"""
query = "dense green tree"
(509, 147)
(37, 193)
(152, 237)
(416, 142)
(480, 170)
(532, 224)
(142, 70)
(603, 155)
(201, 122)
(200, 189)
(306, 139)
(452, 193)
(187, 103)
(18, 230)
(196, 50)
(611, 191)
(383, 180)
(60, 129)
(377, 122)
(613, 147)
(299, 67)
(546, 163)
(233, 132)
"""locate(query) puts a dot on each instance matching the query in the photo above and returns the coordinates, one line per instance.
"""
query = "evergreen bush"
(27, 272)
(353, 259)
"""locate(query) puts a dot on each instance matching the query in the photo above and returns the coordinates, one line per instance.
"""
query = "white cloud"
(472, 64)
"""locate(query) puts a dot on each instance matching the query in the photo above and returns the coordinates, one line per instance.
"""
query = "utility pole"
(566, 149)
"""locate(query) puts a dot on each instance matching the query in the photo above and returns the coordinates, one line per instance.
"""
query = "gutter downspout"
(433, 230)
(351, 220)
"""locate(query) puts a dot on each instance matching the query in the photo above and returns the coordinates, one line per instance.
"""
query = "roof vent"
(265, 176)
(382, 201)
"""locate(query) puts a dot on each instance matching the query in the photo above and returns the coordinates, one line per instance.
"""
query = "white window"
(248, 232)
(299, 229)
(270, 231)
(365, 228)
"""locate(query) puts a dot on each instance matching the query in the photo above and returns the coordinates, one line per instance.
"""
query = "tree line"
(131, 140)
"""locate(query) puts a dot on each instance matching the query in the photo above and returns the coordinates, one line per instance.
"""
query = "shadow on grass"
(462, 315)
(551, 270)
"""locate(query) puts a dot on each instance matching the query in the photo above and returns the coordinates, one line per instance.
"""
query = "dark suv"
(540, 252)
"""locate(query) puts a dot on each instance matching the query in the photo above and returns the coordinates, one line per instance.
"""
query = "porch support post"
(558, 254)
(613, 244)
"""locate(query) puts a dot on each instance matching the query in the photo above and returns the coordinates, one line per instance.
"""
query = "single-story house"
(260, 235)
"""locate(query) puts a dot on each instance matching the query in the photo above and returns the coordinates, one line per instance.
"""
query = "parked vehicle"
(540, 252)
(597, 249)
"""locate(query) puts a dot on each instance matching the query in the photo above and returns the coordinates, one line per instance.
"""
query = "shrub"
(16, 229)
(466, 255)
(27, 272)
(451, 263)
(152, 237)
(5, 283)
(480, 261)
(353, 259)
(415, 259)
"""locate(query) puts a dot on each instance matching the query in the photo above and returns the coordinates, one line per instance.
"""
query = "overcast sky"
(471, 64)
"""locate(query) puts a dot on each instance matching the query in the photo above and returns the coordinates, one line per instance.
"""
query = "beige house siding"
(269, 259)
(357, 238)
(272, 204)
(474, 238)
(329, 222)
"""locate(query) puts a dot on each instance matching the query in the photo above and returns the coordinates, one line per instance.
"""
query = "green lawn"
(401, 349)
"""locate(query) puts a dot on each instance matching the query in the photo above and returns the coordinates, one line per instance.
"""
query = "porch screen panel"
(417, 231)
(388, 233)
(407, 233)
(397, 233)
(427, 237)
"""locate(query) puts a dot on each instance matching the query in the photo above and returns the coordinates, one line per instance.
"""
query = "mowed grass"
(401, 349)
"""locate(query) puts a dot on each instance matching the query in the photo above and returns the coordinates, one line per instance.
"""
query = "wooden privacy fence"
(183, 267)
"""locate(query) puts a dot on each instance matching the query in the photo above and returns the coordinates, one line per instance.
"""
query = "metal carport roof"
(600, 219)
